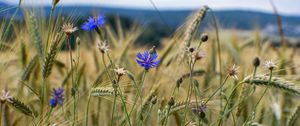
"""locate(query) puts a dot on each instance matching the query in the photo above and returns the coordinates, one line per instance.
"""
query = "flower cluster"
(147, 60)
(57, 97)
(93, 23)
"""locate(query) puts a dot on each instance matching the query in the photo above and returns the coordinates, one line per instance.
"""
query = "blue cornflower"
(147, 60)
(57, 97)
(93, 23)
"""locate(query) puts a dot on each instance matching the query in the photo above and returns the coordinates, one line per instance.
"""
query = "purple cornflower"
(57, 97)
(93, 23)
(147, 60)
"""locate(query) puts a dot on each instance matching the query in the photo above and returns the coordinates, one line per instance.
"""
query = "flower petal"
(140, 56)
(153, 56)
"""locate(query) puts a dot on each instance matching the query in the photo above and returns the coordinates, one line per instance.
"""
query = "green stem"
(113, 110)
(124, 106)
(265, 91)
(87, 111)
(216, 91)
(48, 116)
(50, 25)
(137, 96)
(191, 65)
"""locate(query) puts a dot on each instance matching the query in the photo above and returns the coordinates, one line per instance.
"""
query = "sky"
(288, 7)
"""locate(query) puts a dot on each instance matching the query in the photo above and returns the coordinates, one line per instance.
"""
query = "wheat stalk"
(35, 34)
(275, 82)
(102, 91)
(192, 28)
(50, 58)
(184, 76)
(20, 106)
(175, 108)
(29, 68)
(294, 117)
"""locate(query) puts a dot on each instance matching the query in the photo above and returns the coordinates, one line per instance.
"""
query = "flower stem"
(87, 111)
(216, 91)
(124, 106)
(48, 116)
(265, 91)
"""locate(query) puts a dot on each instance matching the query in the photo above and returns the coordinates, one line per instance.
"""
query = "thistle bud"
(204, 37)
(55, 2)
(256, 62)
(191, 49)
(171, 102)
(154, 100)
(152, 50)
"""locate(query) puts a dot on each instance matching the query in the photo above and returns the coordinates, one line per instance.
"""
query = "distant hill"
(239, 19)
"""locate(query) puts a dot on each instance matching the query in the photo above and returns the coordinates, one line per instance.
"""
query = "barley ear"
(35, 35)
(293, 119)
(29, 68)
(275, 83)
(20, 106)
(193, 26)
(102, 91)
(50, 58)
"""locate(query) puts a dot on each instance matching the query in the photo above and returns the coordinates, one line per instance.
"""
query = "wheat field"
(55, 73)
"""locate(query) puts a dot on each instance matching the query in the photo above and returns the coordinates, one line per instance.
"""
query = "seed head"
(256, 62)
(5, 96)
(69, 28)
(204, 37)
(270, 65)
(103, 47)
(120, 71)
(191, 49)
(233, 71)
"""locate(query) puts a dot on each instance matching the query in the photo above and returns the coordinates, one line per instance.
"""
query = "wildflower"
(204, 37)
(69, 28)
(233, 71)
(200, 55)
(93, 23)
(103, 47)
(270, 65)
(100, 21)
(147, 60)
(200, 110)
(57, 97)
(120, 71)
(5, 96)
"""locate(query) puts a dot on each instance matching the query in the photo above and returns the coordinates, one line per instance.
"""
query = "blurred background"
(160, 18)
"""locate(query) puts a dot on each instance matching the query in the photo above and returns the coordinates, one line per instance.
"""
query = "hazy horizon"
(287, 7)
